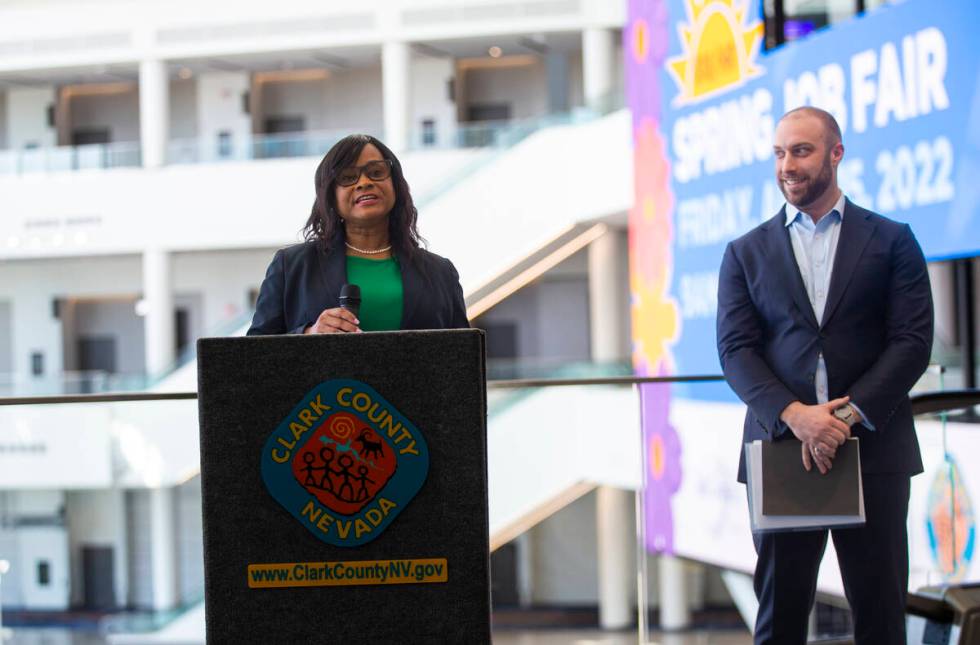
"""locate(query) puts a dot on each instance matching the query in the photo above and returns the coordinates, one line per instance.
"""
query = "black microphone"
(350, 298)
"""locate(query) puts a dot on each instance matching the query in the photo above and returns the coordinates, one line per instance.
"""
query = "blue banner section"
(904, 84)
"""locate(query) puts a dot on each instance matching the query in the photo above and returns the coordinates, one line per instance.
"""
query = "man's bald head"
(807, 149)
(830, 126)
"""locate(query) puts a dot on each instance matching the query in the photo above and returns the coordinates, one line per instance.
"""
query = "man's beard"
(817, 187)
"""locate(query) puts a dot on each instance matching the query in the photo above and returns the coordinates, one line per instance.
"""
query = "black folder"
(783, 495)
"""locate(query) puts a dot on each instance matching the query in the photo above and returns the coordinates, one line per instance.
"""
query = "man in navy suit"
(825, 323)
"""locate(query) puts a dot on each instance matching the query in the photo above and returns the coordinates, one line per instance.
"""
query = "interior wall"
(119, 113)
(117, 319)
(347, 100)
(551, 315)
(521, 84)
(183, 109)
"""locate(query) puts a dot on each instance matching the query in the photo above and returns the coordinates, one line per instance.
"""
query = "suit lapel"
(786, 266)
(855, 232)
(412, 290)
(333, 269)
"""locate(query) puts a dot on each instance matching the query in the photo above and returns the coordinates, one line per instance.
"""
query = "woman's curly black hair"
(324, 225)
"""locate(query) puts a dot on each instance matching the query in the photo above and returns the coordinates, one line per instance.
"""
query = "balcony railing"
(479, 134)
(63, 158)
(256, 146)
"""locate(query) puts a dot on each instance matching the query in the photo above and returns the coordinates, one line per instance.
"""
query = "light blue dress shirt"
(815, 247)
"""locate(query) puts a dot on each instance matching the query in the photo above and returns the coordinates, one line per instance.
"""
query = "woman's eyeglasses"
(377, 170)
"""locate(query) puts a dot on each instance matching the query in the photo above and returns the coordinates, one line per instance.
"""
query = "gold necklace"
(354, 248)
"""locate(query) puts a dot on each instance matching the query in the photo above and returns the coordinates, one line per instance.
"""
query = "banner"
(904, 84)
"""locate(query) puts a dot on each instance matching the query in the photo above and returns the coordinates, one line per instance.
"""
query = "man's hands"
(818, 429)
(333, 321)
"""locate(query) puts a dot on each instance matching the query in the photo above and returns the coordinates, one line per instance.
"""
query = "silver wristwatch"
(845, 413)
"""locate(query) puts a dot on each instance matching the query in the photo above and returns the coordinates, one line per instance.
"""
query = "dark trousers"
(874, 565)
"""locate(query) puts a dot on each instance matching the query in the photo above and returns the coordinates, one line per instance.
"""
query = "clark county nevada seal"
(345, 462)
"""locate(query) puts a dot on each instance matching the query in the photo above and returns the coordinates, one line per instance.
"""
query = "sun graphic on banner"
(719, 49)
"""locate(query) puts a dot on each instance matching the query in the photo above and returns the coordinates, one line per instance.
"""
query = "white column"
(674, 610)
(158, 307)
(598, 63)
(615, 544)
(616, 533)
(395, 69)
(163, 548)
(525, 568)
(154, 112)
(607, 297)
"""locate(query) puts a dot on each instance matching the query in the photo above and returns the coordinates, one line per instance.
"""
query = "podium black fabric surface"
(247, 388)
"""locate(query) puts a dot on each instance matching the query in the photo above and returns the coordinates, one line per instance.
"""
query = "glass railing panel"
(99, 381)
(944, 497)
(71, 382)
(134, 446)
(499, 400)
(690, 509)
(60, 159)
(235, 326)
(31, 160)
(499, 136)
(508, 132)
(256, 146)
(8, 162)
(66, 158)
(552, 367)
(123, 155)
(89, 157)
(484, 134)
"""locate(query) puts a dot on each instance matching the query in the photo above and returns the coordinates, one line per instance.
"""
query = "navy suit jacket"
(303, 280)
(876, 332)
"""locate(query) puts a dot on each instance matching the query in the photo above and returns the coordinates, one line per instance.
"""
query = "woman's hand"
(334, 321)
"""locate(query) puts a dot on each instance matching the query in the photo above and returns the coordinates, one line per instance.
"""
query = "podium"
(344, 486)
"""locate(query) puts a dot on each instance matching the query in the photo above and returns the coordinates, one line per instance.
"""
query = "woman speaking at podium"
(362, 231)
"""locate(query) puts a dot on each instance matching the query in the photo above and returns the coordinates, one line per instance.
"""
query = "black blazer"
(303, 280)
(876, 332)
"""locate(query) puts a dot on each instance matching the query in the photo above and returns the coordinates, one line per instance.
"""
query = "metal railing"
(922, 403)
(504, 384)
(71, 382)
(101, 156)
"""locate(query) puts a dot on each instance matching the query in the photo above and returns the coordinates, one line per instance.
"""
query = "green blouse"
(381, 292)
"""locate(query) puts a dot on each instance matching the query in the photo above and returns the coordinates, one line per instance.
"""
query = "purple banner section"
(654, 313)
